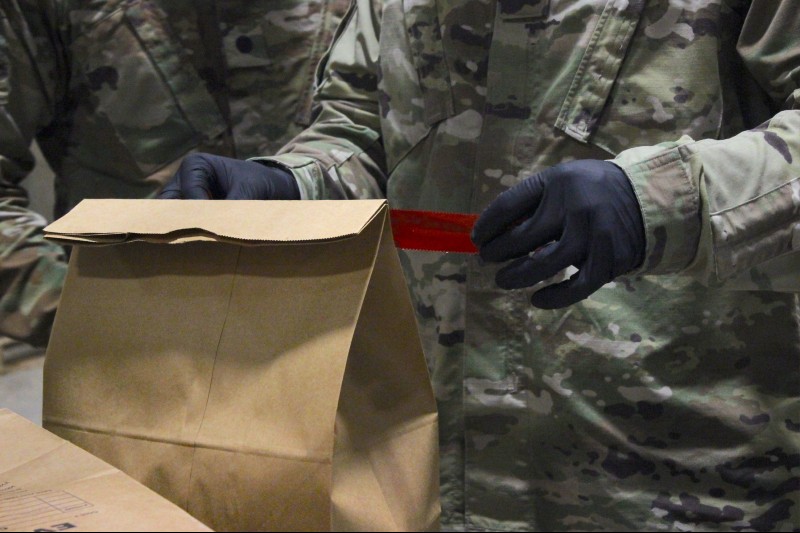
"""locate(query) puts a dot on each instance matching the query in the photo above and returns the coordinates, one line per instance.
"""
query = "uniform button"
(244, 44)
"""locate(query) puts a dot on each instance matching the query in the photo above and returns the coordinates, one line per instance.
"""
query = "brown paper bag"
(257, 363)
(47, 484)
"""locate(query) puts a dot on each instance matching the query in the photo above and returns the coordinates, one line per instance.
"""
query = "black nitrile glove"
(206, 176)
(581, 213)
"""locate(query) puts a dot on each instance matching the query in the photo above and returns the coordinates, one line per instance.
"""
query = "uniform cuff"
(670, 204)
(304, 169)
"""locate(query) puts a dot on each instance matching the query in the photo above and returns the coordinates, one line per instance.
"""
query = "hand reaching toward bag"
(211, 177)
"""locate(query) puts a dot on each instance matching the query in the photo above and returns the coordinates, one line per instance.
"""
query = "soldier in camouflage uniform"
(116, 92)
(670, 398)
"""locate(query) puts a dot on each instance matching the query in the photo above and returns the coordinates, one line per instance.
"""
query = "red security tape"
(433, 231)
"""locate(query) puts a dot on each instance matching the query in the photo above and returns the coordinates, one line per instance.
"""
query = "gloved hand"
(582, 213)
(206, 176)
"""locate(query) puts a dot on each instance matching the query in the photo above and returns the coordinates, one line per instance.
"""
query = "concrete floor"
(21, 380)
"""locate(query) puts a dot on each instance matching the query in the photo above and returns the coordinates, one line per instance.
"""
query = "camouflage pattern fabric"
(116, 92)
(670, 399)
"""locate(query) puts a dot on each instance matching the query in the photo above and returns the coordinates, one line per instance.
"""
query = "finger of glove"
(593, 274)
(171, 191)
(509, 207)
(247, 190)
(520, 240)
(542, 265)
(197, 183)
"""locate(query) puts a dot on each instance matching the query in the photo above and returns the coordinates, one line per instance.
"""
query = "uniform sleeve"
(340, 156)
(727, 212)
(31, 269)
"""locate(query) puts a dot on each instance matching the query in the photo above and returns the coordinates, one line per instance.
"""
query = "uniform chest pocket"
(597, 72)
(133, 75)
(274, 51)
(649, 74)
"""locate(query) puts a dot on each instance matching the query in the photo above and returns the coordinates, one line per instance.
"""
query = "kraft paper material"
(256, 363)
(47, 484)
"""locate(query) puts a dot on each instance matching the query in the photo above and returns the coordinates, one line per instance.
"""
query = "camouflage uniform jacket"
(117, 91)
(664, 401)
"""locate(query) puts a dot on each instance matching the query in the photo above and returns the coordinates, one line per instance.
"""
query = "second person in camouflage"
(117, 92)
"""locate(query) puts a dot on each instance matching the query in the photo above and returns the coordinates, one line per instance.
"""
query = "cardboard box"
(256, 363)
(47, 484)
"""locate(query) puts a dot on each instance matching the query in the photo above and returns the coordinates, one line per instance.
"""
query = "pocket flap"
(524, 9)
(591, 88)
